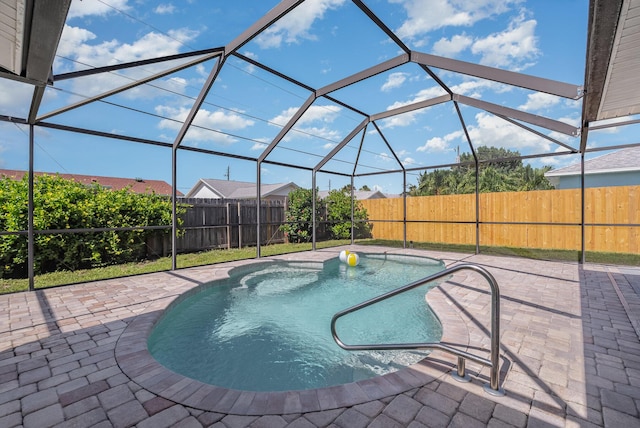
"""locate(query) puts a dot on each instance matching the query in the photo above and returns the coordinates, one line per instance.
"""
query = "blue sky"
(318, 43)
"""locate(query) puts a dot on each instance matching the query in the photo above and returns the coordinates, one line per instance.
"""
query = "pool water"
(267, 327)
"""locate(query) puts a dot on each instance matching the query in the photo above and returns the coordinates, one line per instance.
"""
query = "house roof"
(230, 189)
(618, 161)
(358, 194)
(137, 185)
(30, 37)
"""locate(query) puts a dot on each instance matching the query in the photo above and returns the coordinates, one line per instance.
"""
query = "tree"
(339, 216)
(503, 176)
(485, 153)
(299, 219)
(336, 206)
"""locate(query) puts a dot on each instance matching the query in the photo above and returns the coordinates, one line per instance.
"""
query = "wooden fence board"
(611, 205)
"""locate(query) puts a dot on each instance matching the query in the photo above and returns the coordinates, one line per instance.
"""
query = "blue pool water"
(267, 327)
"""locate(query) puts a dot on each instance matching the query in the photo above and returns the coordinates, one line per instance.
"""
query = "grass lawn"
(221, 256)
(163, 264)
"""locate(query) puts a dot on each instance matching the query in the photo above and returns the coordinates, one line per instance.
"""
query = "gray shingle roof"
(230, 189)
(620, 160)
(358, 194)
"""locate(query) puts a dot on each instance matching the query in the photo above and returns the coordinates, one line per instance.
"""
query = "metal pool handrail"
(493, 387)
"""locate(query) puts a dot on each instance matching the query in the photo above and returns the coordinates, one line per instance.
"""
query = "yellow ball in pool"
(353, 259)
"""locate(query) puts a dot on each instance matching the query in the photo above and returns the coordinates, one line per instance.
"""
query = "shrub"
(339, 216)
(67, 204)
(299, 221)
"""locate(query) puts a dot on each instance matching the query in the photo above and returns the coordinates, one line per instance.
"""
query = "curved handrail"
(492, 362)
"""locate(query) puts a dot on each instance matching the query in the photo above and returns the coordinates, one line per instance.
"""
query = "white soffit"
(11, 35)
(621, 92)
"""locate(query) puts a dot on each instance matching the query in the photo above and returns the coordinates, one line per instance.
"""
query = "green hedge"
(67, 204)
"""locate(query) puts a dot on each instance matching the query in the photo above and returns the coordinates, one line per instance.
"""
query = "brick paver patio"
(76, 356)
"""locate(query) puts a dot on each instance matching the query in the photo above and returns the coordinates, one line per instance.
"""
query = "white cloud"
(440, 144)
(296, 25)
(248, 67)
(408, 161)
(514, 48)
(312, 123)
(85, 8)
(315, 113)
(329, 146)
(424, 16)
(218, 120)
(539, 101)
(315, 131)
(385, 157)
(394, 80)
(409, 118)
(16, 97)
(165, 9)
(75, 44)
(435, 144)
(452, 47)
(493, 131)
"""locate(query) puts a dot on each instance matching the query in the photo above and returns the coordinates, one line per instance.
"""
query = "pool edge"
(135, 361)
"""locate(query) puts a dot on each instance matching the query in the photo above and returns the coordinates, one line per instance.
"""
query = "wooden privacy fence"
(547, 219)
(223, 223)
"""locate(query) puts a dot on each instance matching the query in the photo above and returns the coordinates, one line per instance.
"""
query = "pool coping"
(135, 360)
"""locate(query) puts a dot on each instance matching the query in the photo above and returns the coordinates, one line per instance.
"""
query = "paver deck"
(76, 356)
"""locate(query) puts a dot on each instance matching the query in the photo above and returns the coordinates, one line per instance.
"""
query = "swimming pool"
(267, 327)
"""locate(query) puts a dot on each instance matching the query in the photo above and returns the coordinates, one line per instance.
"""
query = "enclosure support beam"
(174, 207)
(364, 74)
(561, 89)
(258, 203)
(404, 208)
(298, 114)
(199, 101)
(582, 212)
(411, 107)
(313, 210)
(352, 214)
(30, 232)
(261, 24)
(477, 167)
(539, 134)
(477, 205)
(127, 87)
(341, 145)
(36, 100)
(544, 122)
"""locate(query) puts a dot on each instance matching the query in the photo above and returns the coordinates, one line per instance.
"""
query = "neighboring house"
(136, 185)
(619, 168)
(228, 189)
(358, 194)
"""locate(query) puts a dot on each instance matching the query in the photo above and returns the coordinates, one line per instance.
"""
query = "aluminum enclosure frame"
(423, 60)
